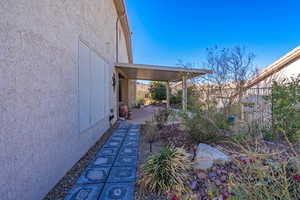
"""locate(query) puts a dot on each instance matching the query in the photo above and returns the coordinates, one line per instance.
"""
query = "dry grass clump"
(265, 175)
(166, 171)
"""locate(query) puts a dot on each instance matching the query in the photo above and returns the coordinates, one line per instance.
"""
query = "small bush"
(268, 135)
(285, 100)
(140, 101)
(240, 137)
(202, 129)
(166, 171)
(176, 100)
(221, 121)
(252, 131)
(161, 117)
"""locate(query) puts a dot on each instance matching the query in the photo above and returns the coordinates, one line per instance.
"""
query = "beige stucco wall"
(132, 93)
(39, 133)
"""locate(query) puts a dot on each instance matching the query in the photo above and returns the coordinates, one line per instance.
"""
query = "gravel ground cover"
(217, 178)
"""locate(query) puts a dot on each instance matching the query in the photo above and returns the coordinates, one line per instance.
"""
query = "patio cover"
(162, 73)
(158, 73)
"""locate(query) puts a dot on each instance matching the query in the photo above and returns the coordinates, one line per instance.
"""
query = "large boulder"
(207, 155)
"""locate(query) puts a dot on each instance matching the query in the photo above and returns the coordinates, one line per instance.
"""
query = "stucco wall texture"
(39, 133)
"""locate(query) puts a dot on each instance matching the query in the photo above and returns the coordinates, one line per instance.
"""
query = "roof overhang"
(121, 10)
(158, 73)
(275, 67)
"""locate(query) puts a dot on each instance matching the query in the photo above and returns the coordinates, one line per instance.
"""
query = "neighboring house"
(65, 67)
(256, 107)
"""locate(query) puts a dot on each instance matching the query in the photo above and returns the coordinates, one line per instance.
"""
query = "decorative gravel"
(61, 189)
(215, 178)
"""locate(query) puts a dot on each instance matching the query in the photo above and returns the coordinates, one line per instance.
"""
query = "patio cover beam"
(184, 93)
(168, 94)
(158, 73)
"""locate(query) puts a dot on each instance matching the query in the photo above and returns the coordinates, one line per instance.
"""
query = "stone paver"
(120, 191)
(112, 173)
(85, 192)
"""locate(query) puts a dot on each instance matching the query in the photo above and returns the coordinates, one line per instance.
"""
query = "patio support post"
(168, 94)
(184, 93)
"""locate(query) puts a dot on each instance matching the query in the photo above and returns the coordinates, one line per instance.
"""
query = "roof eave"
(275, 67)
(159, 73)
(121, 10)
(165, 68)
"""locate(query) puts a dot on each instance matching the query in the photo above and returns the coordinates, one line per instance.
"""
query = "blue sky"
(167, 30)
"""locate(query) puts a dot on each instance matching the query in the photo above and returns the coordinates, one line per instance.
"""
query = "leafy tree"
(158, 91)
(176, 99)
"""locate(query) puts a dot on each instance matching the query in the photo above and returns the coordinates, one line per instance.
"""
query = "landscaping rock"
(207, 155)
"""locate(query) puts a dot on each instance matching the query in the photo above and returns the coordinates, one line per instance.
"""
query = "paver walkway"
(112, 174)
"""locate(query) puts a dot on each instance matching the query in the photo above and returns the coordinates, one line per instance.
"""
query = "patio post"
(184, 93)
(168, 94)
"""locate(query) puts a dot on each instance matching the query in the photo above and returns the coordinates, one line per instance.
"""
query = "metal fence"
(251, 106)
(256, 107)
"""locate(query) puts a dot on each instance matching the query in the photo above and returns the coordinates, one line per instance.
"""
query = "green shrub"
(268, 135)
(285, 100)
(158, 91)
(202, 129)
(140, 101)
(192, 100)
(221, 121)
(166, 171)
(240, 137)
(251, 132)
(176, 100)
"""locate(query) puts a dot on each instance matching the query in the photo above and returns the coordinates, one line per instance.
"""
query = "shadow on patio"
(139, 116)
